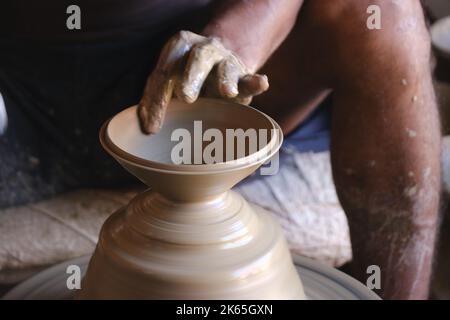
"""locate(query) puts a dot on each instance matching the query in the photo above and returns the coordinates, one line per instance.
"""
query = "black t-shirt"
(45, 20)
(60, 85)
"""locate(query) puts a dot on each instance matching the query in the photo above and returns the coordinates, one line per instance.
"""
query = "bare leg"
(385, 130)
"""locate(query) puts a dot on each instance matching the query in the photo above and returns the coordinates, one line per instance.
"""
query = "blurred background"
(38, 235)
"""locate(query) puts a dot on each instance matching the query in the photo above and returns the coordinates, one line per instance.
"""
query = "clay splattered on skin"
(403, 219)
(411, 133)
(411, 191)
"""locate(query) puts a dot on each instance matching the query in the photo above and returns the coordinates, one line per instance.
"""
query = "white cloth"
(38, 235)
(303, 199)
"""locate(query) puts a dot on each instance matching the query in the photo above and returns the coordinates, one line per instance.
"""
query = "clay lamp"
(189, 236)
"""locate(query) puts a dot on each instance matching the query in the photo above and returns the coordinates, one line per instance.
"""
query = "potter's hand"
(188, 64)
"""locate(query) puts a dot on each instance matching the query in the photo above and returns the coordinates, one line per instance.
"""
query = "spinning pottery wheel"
(321, 283)
(189, 236)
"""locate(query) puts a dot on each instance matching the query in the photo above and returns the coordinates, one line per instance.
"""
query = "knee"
(403, 39)
(349, 18)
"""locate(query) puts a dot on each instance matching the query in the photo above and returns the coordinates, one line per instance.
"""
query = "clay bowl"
(149, 157)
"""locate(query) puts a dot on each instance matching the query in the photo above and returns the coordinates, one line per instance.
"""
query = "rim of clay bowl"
(440, 30)
(254, 159)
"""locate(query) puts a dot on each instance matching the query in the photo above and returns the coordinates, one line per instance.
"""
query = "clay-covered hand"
(191, 64)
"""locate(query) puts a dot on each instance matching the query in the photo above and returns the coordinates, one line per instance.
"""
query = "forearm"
(253, 29)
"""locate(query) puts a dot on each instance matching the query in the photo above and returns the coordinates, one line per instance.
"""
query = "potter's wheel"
(320, 283)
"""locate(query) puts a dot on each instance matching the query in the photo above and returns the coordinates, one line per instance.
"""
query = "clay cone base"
(222, 249)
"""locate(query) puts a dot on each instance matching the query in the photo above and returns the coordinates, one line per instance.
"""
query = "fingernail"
(233, 90)
(153, 127)
(189, 96)
(229, 91)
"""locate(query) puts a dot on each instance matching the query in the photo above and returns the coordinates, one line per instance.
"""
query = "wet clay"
(184, 65)
(189, 236)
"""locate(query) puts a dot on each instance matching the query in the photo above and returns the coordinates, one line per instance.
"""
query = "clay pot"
(189, 236)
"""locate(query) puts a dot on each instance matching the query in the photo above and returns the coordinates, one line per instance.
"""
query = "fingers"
(250, 86)
(153, 105)
(253, 84)
(202, 59)
(159, 88)
(228, 73)
(243, 99)
(234, 84)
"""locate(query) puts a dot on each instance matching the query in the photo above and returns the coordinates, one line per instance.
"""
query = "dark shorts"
(313, 135)
(56, 100)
